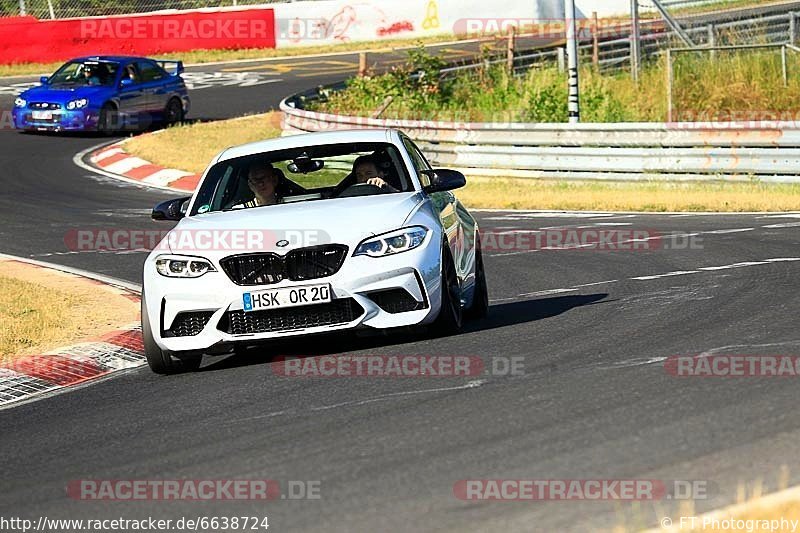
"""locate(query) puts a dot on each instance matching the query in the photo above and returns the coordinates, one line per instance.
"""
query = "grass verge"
(41, 310)
(654, 196)
(191, 147)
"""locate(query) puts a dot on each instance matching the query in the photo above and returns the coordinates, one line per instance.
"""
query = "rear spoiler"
(175, 68)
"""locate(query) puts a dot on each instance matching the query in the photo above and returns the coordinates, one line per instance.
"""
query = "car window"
(89, 72)
(303, 174)
(418, 160)
(149, 71)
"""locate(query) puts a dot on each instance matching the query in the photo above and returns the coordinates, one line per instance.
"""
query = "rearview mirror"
(171, 209)
(304, 165)
(443, 179)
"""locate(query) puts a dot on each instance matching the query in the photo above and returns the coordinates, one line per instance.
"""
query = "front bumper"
(353, 288)
(60, 120)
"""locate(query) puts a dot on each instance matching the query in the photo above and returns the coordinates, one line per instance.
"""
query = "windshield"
(85, 73)
(310, 173)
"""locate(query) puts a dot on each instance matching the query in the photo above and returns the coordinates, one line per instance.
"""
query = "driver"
(366, 171)
(90, 74)
(263, 179)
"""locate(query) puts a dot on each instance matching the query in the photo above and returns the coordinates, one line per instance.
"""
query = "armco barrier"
(26, 39)
(683, 151)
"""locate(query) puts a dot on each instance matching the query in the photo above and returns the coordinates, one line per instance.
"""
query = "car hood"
(63, 94)
(343, 221)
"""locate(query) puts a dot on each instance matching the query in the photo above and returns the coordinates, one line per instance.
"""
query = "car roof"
(310, 139)
(117, 59)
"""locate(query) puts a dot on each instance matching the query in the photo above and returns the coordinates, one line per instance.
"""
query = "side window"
(149, 71)
(419, 161)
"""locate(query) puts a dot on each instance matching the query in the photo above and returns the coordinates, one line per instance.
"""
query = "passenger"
(366, 171)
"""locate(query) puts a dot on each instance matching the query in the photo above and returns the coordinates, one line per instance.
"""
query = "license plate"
(42, 115)
(286, 297)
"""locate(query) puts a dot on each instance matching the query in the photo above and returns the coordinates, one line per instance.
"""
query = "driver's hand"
(379, 182)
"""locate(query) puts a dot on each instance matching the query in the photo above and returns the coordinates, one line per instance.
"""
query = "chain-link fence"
(59, 9)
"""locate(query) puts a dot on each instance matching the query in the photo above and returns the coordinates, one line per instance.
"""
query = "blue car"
(105, 93)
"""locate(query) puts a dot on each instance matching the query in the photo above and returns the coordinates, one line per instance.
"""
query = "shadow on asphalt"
(501, 315)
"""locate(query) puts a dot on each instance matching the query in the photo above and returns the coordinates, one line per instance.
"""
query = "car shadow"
(500, 315)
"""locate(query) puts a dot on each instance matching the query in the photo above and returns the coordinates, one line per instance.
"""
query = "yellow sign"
(431, 21)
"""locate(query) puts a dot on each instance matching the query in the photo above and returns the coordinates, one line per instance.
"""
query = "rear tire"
(480, 300)
(173, 113)
(161, 361)
(451, 315)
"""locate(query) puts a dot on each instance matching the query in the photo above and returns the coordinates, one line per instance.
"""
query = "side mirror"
(125, 82)
(44, 80)
(443, 179)
(171, 209)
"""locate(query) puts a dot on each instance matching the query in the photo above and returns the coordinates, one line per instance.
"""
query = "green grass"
(730, 83)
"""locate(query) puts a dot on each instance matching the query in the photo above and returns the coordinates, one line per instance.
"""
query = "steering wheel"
(360, 189)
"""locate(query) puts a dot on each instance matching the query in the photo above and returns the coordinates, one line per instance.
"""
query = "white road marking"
(726, 231)
(784, 225)
(736, 265)
(667, 275)
(471, 385)
(596, 283)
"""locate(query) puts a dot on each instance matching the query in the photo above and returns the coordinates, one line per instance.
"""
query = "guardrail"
(631, 151)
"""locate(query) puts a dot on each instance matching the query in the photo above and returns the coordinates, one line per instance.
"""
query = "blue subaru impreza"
(105, 93)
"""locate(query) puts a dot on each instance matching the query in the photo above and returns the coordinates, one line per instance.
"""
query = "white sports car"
(306, 235)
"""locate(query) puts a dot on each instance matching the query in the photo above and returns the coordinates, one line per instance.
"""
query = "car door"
(132, 98)
(446, 205)
(154, 80)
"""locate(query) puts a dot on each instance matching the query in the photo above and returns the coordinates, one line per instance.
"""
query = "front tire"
(480, 298)
(109, 117)
(451, 315)
(161, 361)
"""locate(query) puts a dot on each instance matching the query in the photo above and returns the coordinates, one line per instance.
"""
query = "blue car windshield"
(85, 73)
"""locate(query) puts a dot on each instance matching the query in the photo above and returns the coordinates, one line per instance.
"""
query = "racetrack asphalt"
(593, 400)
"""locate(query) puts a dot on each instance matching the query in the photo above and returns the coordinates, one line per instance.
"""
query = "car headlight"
(77, 104)
(20, 102)
(395, 242)
(178, 266)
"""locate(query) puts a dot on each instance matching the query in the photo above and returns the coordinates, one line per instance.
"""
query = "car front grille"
(342, 311)
(189, 324)
(298, 265)
(396, 301)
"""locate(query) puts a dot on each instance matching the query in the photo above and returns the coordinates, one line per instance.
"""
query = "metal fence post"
(712, 40)
(636, 50)
(669, 85)
(22, 7)
(511, 45)
(595, 41)
(562, 59)
(362, 64)
(792, 27)
(573, 76)
(785, 67)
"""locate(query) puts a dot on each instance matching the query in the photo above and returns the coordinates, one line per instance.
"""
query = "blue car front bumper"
(58, 120)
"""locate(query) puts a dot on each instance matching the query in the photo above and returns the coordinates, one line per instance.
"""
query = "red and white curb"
(114, 160)
(33, 376)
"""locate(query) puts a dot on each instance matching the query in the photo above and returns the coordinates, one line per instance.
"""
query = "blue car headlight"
(20, 102)
(392, 243)
(77, 104)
